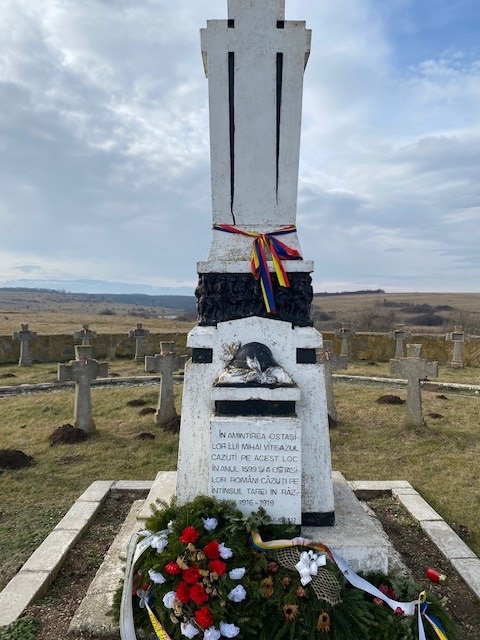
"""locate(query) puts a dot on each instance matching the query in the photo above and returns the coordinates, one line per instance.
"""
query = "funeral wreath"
(204, 570)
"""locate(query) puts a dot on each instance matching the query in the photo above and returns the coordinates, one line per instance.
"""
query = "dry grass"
(441, 460)
(35, 498)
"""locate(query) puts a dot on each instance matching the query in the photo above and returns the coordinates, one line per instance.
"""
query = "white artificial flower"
(211, 634)
(143, 598)
(237, 574)
(225, 552)
(210, 523)
(156, 576)
(168, 599)
(229, 630)
(238, 594)
(188, 629)
(159, 542)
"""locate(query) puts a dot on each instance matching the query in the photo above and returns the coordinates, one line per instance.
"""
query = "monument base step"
(357, 536)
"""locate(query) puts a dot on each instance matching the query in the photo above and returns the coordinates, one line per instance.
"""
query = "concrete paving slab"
(367, 489)
(163, 488)
(469, 569)
(78, 516)
(417, 506)
(51, 553)
(96, 492)
(132, 485)
(446, 539)
(355, 535)
(20, 592)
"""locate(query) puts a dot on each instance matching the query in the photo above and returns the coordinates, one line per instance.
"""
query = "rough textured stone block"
(79, 516)
(96, 492)
(446, 540)
(51, 553)
(418, 507)
(20, 592)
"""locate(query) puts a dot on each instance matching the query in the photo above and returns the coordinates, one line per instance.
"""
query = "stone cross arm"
(414, 368)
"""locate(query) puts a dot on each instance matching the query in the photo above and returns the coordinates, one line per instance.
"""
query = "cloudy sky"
(104, 152)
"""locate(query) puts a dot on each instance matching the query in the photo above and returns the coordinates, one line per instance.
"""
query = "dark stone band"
(231, 296)
(254, 407)
(314, 519)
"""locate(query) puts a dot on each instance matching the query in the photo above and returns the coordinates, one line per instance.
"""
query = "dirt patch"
(8, 375)
(145, 435)
(172, 426)
(14, 459)
(136, 402)
(435, 416)
(389, 399)
(420, 554)
(67, 434)
(441, 396)
(146, 411)
(57, 608)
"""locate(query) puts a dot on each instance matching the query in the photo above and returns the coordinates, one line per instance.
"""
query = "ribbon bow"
(308, 565)
(258, 262)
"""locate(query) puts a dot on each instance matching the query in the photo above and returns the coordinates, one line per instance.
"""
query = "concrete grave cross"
(85, 335)
(24, 336)
(331, 362)
(414, 369)
(139, 334)
(399, 334)
(345, 333)
(82, 371)
(164, 363)
(458, 337)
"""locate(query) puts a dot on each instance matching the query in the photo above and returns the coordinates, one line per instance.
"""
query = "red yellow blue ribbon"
(258, 262)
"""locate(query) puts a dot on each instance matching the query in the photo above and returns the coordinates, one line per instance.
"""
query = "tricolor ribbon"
(408, 608)
(258, 262)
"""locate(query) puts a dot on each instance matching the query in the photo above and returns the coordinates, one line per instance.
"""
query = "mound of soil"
(145, 435)
(14, 459)
(8, 375)
(390, 399)
(146, 411)
(435, 416)
(136, 402)
(173, 425)
(441, 396)
(67, 434)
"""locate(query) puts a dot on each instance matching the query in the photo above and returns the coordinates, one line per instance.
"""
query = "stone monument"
(399, 334)
(82, 371)
(414, 368)
(331, 362)
(252, 429)
(139, 334)
(24, 336)
(458, 337)
(345, 333)
(164, 363)
(85, 334)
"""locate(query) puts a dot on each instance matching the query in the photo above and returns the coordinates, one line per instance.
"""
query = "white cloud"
(104, 141)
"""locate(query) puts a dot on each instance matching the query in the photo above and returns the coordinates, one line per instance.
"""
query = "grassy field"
(440, 461)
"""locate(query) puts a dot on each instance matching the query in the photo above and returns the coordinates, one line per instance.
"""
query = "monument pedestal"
(302, 401)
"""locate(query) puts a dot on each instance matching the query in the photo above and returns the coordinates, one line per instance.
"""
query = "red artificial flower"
(189, 534)
(218, 567)
(172, 568)
(204, 617)
(211, 550)
(183, 592)
(198, 594)
(191, 575)
(272, 566)
(388, 591)
(399, 611)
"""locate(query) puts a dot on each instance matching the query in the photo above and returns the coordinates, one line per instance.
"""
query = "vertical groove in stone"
(279, 112)
(231, 102)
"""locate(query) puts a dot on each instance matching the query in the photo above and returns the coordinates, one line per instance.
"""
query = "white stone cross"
(399, 334)
(82, 371)
(345, 333)
(85, 335)
(414, 368)
(331, 362)
(458, 337)
(24, 336)
(165, 364)
(255, 118)
(139, 334)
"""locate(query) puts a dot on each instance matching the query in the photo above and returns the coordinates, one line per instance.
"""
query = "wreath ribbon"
(409, 608)
(258, 261)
